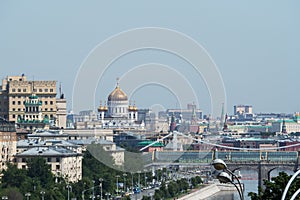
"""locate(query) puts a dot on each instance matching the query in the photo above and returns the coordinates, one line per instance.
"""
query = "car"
(136, 190)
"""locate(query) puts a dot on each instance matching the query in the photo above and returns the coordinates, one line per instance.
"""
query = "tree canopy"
(274, 188)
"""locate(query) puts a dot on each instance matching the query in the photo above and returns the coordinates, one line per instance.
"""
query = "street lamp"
(57, 176)
(117, 184)
(224, 177)
(139, 179)
(107, 195)
(288, 186)
(93, 190)
(100, 183)
(43, 193)
(4, 197)
(69, 187)
(27, 195)
(132, 182)
(124, 185)
(219, 164)
(145, 177)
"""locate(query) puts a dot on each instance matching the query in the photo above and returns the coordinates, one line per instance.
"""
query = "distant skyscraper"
(242, 109)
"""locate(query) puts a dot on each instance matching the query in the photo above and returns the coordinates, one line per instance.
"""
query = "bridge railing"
(206, 156)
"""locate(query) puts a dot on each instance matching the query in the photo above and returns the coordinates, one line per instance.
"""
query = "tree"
(158, 195)
(38, 177)
(40, 171)
(12, 193)
(274, 188)
(183, 184)
(145, 198)
(13, 177)
(173, 189)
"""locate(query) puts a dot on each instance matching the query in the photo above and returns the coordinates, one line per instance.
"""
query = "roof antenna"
(32, 85)
(60, 89)
(61, 95)
(118, 81)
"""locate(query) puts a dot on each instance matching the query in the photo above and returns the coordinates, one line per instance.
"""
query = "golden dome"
(117, 95)
(101, 108)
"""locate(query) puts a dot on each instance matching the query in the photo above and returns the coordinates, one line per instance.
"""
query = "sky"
(254, 44)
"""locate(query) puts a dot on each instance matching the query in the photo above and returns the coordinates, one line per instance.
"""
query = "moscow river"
(250, 181)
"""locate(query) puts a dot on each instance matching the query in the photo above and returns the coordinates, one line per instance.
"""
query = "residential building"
(8, 142)
(242, 109)
(243, 112)
(23, 101)
(63, 162)
(185, 114)
(287, 125)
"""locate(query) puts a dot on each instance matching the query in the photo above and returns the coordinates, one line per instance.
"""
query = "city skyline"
(254, 46)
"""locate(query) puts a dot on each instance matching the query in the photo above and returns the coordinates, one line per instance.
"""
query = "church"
(118, 112)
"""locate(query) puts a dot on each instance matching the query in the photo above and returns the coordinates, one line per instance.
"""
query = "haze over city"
(254, 44)
(149, 100)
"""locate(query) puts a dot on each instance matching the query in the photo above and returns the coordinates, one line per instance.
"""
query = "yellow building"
(17, 96)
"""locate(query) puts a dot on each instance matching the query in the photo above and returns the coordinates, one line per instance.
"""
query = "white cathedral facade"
(118, 113)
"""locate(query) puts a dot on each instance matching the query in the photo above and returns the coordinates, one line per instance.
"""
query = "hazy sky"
(255, 45)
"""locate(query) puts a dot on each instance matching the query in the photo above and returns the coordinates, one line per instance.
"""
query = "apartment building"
(31, 102)
(8, 143)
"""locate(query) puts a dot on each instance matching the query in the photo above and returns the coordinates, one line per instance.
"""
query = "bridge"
(262, 161)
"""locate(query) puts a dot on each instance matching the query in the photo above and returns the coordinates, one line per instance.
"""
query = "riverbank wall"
(208, 191)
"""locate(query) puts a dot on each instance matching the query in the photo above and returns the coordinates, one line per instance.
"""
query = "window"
(13, 90)
(57, 159)
(46, 109)
(51, 102)
(57, 167)
(51, 109)
(51, 90)
(19, 109)
(46, 90)
(48, 159)
(46, 102)
(19, 102)
(24, 90)
(40, 90)
(14, 116)
(14, 109)
(14, 103)
(19, 90)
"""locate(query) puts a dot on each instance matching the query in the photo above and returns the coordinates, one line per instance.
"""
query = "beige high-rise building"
(61, 114)
(25, 101)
